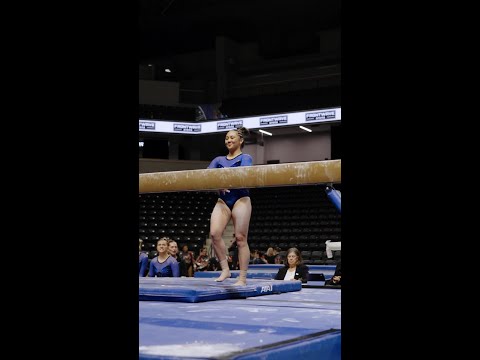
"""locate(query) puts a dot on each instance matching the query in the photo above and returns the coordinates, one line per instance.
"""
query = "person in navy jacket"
(294, 268)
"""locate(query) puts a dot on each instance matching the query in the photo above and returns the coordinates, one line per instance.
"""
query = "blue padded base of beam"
(196, 290)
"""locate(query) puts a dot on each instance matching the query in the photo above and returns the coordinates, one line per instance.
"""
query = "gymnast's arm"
(151, 271)
(280, 274)
(143, 266)
(213, 165)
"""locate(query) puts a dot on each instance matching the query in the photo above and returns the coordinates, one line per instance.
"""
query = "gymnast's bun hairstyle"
(243, 133)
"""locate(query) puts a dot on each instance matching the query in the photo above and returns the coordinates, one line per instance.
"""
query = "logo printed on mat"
(266, 288)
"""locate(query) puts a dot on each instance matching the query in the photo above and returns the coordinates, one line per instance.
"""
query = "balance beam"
(302, 173)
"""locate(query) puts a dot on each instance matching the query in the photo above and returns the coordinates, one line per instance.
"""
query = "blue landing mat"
(314, 284)
(311, 298)
(296, 325)
(197, 290)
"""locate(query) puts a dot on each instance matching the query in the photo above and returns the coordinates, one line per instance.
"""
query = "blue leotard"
(169, 268)
(230, 198)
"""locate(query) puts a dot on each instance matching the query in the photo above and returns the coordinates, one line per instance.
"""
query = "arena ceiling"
(169, 27)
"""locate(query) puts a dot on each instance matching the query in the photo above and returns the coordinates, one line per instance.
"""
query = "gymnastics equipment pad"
(314, 280)
(258, 274)
(278, 266)
(189, 289)
(254, 274)
(303, 325)
(268, 271)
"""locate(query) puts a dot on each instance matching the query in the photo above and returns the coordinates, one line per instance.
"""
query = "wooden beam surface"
(301, 173)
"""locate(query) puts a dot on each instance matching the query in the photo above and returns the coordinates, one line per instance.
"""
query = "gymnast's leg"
(218, 222)
(242, 210)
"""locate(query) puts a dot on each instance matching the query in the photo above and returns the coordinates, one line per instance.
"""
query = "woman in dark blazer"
(294, 268)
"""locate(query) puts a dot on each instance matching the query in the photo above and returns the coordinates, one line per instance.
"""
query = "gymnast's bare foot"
(242, 278)
(224, 275)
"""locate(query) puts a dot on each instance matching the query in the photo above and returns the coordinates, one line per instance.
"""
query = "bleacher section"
(182, 216)
(294, 216)
(284, 217)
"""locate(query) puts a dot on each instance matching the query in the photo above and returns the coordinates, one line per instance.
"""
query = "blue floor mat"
(197, 290)
(303, 324)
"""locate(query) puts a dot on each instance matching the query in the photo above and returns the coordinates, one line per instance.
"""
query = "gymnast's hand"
(223, 191)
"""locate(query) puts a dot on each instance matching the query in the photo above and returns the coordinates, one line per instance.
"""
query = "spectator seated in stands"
(173, 250)
(202, 261)
(337, 276)
(260, 259)
(233, 252)
(294, 268)
(253, 255)
(270, 256)
(186, 264)
(278, 259)
(213, 264)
